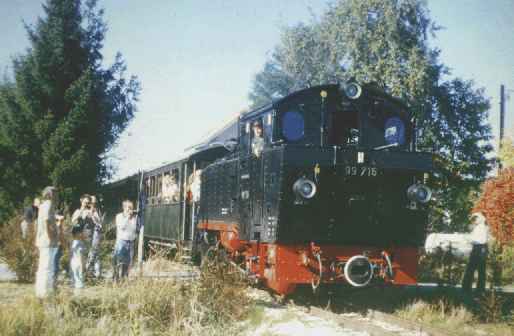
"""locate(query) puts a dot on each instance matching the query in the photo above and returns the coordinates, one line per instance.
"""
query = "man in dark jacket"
(29, 217)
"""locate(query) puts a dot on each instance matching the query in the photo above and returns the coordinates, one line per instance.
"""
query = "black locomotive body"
(335, 194)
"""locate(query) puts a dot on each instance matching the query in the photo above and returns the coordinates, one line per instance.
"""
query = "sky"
(196, 59)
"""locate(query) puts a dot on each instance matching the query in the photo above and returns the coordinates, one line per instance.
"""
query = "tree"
(63, 111)
(386, 42)
(455, 127)
(372, 41)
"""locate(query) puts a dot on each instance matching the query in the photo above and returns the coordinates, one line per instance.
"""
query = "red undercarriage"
(282, 267)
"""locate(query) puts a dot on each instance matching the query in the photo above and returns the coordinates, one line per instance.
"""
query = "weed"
(18, 253)
(209, 306)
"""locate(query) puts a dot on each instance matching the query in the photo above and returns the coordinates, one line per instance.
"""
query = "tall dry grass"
(211, 305)
(457, 319)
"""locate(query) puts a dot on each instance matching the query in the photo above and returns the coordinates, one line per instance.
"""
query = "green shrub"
(502, 264)
(441, 267)
(19, 254)
(444, 269)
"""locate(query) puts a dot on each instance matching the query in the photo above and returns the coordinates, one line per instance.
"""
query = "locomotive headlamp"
(353, 90)
(419, 193)
(305, 188)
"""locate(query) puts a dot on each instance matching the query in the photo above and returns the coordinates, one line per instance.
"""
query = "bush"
(441, 267)
(19, 254)
(506, 260)
(211, 305)
(444, 269)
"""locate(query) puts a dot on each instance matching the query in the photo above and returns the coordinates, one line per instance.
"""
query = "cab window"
(293, 126)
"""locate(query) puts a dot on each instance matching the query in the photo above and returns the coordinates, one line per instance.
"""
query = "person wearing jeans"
(126, 227)
(93, 259)
(82, 223)
(60, 238)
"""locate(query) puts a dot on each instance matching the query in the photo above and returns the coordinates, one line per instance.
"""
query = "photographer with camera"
(93, 260)
(81, 231)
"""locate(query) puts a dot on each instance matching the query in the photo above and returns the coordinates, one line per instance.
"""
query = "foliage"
(441, 313)
(497, 204)
(135, 307)
(456, 130)
(506, 155)
(463, 320)
(387, 42)
(19, 254)
(62, 111)
(445, 269)
(491, 307)
(506, 258)
(441, 267)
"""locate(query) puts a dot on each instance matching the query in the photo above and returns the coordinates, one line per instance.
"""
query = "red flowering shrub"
(497, 204)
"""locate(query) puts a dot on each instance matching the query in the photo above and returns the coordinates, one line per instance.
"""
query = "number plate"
(360, 171)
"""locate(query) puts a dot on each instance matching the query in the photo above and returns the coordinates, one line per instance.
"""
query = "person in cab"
(257, 139)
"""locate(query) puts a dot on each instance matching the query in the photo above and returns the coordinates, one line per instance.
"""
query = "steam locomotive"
(335, 193)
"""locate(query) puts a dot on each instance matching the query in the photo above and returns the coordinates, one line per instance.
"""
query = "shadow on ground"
(389, 299)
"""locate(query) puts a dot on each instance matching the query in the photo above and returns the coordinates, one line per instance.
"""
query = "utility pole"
(502, 118)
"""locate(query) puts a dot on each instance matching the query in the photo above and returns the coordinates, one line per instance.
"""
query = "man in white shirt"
(126, 231)
(479, 237)
(47, 243)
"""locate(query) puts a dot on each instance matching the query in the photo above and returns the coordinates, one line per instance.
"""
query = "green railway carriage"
(161, 194)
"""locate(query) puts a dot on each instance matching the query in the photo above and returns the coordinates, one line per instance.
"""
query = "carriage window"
(268, 128)
(147, 189)
(152, 186)
(293, 126)
(170, 186)
(159, 185)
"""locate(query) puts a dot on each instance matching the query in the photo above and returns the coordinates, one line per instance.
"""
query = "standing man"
(93, 260)
(29, 217)
(82, 224)
(46, 242)
(126, 228)
(479, 237)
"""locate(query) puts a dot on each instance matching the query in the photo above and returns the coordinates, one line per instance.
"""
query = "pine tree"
(63, 111)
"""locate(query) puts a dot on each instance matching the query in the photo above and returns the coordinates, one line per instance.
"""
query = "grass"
(455, 318)
(445, 308)
(211, 305)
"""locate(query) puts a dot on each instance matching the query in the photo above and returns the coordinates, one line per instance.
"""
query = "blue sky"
(196, 58)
